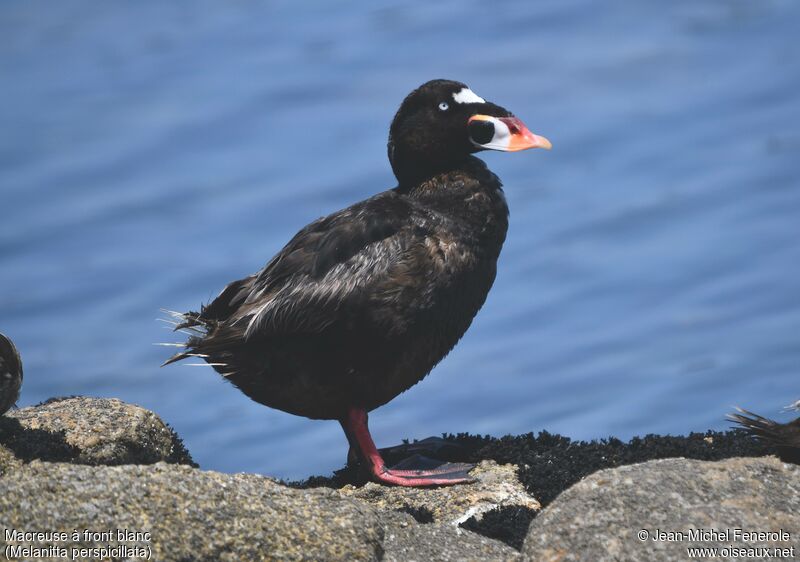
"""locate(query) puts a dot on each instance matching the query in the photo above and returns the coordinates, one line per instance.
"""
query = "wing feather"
(335, 264)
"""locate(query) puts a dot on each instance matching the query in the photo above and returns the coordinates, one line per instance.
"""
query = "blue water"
(151, 153)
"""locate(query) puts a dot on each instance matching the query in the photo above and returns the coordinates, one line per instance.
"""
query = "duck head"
(442, 122)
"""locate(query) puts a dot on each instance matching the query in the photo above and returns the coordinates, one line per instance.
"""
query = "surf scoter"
(360, 305)
(10, 374)
(784, 437)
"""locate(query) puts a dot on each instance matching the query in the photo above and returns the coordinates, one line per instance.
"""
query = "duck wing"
(364, 255)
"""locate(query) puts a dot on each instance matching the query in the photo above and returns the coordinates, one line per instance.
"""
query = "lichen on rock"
(97, 431)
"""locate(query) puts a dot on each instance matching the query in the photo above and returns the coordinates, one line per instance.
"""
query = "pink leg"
(355, 427)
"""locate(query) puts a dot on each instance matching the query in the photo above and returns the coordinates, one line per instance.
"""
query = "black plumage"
(361, 304)
(784, 437)
(10, 374)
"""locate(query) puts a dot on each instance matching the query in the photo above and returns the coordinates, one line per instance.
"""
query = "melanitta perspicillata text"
(361, 304)
(10, 374)
(784, 437)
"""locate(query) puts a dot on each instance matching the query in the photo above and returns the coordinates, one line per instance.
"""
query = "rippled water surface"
(150, 154)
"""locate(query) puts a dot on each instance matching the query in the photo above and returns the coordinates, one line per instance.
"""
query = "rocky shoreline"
(119, 484)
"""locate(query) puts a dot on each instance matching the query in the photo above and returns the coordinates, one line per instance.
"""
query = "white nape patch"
(465, 95)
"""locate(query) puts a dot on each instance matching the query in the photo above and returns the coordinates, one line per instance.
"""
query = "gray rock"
(600, 517)
(190, 514)
(407, 541)
(196, 515)
(91, 431)
(8, 461)
(495, 486)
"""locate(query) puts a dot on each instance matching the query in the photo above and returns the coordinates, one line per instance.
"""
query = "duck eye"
(444, 106)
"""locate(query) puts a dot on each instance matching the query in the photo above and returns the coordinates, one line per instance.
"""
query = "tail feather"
(784, 437)
(203, 341)
(756, 425)
(175, 358)
(192, 325)
(793, 406)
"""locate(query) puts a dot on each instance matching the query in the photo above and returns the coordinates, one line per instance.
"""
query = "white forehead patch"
(465, 95)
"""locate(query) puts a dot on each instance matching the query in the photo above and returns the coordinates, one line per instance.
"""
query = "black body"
(10, 374)
(361, 304)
